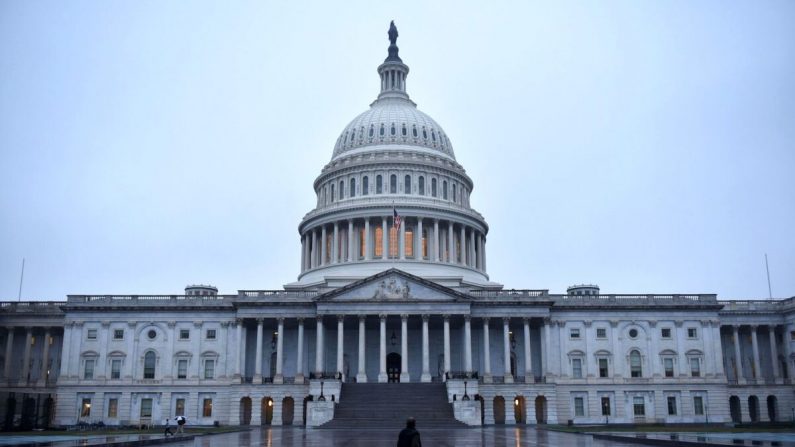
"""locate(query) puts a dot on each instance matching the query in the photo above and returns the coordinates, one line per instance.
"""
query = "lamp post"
(466, 396)
(322, 398)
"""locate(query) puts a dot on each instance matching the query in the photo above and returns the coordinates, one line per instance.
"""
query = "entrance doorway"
(519, 409)
(245, 411)
(288, 410)
(541, 410)
(735, 410)
(499, 410)
(393, 367)
(771, 408)
(267, 411)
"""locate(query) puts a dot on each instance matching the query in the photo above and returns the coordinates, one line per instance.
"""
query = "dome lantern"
(393, 71)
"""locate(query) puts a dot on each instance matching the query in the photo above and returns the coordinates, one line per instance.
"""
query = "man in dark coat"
(409, 436)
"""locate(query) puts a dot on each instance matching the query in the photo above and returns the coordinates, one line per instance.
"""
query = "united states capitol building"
(394, 288)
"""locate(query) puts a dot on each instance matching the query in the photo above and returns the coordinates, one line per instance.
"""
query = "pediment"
(393, 286)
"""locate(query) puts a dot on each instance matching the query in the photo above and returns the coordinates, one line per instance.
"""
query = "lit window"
(92, 334)
(88, 371)
(601, 332)
(184, 334)
(85, 408)
(118, 334)
(207, 408)
(638, 406)
(579, 406)
(113, 408)
(668, 365)
(574, 333)
(210, 334)
(635, 367)
(695, 367)
(576, 368)
(665, 332)
(146, 408)
(692, 332)
(672, 405)
(182, 369)
(115, 369)
(179, 407)
(605, 406)
(603, 371)
(149, 365)
(209, 369)
(698, 405)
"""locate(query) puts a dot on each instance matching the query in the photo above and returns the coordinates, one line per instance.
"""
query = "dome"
(393, 121)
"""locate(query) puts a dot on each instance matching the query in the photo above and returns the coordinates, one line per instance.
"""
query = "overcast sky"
(647, 147)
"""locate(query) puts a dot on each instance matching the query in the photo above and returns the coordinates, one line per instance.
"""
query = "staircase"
(388, 405)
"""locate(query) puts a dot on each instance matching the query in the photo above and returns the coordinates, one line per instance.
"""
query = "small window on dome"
(361, 134)
(404, 130)
(393, 184)
(414, 131)
(342, 189)
(332, 192)
(345, 141)
(433, 187)
(424, 134)
(407, 185)
(433, 135)
(365, 185)
(392, 130)
(352, 190)
(454, 188)
(353, 135)
(422, 186)
(381, 131)
(371, 131)
(444, 190)
(379, 185)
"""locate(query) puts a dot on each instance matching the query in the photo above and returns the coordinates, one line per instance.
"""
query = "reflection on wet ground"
(734, 439)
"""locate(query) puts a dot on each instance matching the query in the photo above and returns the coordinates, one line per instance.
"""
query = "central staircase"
(388, 405)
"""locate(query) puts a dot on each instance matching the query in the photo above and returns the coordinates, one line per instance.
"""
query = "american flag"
(396, 220)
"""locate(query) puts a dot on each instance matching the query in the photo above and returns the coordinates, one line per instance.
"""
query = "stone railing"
(388, 201)
(38, 307)
(147, 299)
(277, 293)
(626, 300)
(755, 305)
(509, 294)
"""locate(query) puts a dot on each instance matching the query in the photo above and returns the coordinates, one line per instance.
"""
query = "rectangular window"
(792, 335)
(574, 333)
(91, 334)
(113, 408)
(85, 408)
(668, 364)
(698, 405)
(601, 332)
(671, 405)
(638, 406)
(666, 332)
(184, 334)
(603, 372)
(118, 334)
(182, 369)
(579, 406)
(605, 406)
(576, 368)
(210, 334)
(207, 408)
(115, 369)
(209, 369)
(692, 332)
(146, 408)
(88, 371)
(179, 407)
(695, 367)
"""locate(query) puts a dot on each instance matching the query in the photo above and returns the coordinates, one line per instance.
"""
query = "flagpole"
(767, 268)
(21, 276)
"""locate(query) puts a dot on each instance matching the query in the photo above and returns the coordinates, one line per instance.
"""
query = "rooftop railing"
(387, 200)
(147, 299)
(621, 299)
(508, 294)
(31, 306)
(278, 293)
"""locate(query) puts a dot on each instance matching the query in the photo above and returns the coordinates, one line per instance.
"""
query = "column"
(404, 348)
(367, 248)
(299, 360)
(506, 341)
(315, 252)
(788, 352)
(279, 376)
(467, 345)
(483, 260)
(446, 345)
(545, 366)
(340, 347)
(402, 241)
(773, 351)
(382, 378)
(450, 244)
(418, 240)
(319, 349)
(479, 250)
(26, 359)
(335, 249)
(258, 354)
(436, 240)
(10, 345)
(738, 360)
(717, 349)
(323, 246)
(463, 245)
(45, 361)
(351, 238)
(472, 248)
(528, 358)
(486, 352)
(384, 239)
(303, 253)
(240, 364)
(426, 372)
(361, 377)
(755, 345)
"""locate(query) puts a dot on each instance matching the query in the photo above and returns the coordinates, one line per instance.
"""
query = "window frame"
(209, 332)
(116, 336)
(184, 334)
(604, 333)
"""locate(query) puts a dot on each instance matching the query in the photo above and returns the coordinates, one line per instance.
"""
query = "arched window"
(381, 131)
(422, 185)
(365, 186)
(379, 185)
(361, 134)
(352, 190)
(332, 192)
(635, 366)
(392, 129)
(149, 365)
(353, 135)
(424, 134)
(433, 136)
(414, 131)
(433, 187)
(454, 192)
(404, 130)
(371, 131)
(393, 184)
(444, 190)
(407, 185)
(346, 138)
(342, 189)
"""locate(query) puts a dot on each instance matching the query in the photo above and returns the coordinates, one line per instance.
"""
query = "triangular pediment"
(393, 285)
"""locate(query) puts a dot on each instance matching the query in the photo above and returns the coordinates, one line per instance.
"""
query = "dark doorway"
(753, 408)
(11, 407)
(541, 410)
(499, 410)
(513, 364)
(49, 406)
(288, 411)
(519, 410)
(393, 367)
(307, 399)
(735, 410)
(267, 411)
(245, 411)
(479, 398)
(771, 408)
(28, 413)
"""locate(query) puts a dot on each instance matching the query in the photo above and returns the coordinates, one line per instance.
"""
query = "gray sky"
(647, 147)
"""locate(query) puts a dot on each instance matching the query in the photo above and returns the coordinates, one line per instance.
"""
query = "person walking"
(409, 436)
(181, 424)
(168, 431)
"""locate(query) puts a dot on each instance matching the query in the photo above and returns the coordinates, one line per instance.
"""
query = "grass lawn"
(712, 428)
(106, 431)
